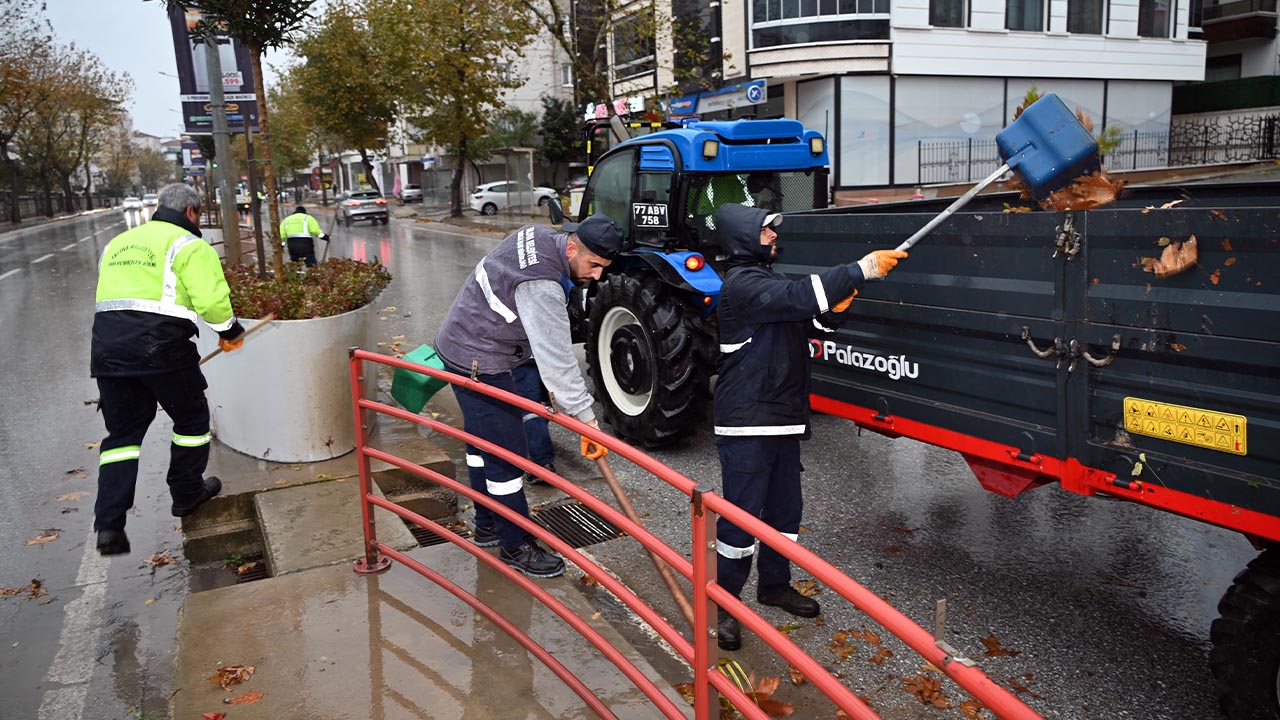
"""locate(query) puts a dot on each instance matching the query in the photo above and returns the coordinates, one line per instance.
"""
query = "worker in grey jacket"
(513, 306)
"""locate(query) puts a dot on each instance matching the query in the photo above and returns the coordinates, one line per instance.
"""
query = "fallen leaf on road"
(1176, 258)
(992, 644)
(149, 601)
(807, 588)
(92, 445)
(971, 709)
(48, 536)
(71, 496)
(927, 690)
(1219, 215)
(247, 567)
(212, 716)
(160, 559)
(1229, 262)
(246, 699)
(389, 308)
(1215, 276)
(33, 589)
(229, 675)
(797, 677)
(1226, 245)
(77, 474)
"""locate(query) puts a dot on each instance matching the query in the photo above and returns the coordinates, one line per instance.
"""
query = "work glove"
(229, 345)
(844, 304)
(591, 450)
(878, 263)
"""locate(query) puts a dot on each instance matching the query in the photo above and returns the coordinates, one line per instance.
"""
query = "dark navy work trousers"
(502, 425)
(536, 430)
(128, 406)
(761, 475)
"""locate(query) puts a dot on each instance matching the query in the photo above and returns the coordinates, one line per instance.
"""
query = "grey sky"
(133, 36)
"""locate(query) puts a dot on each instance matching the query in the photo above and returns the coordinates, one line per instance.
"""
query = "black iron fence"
(1206, 142)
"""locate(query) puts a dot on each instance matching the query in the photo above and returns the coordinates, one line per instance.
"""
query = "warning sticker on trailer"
(1223, 432)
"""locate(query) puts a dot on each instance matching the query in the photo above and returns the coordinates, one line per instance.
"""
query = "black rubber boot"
(212, 486)
(728, 632)
(113, 542)
(787, 598)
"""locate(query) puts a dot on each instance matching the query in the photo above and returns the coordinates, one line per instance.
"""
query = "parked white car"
(489, 198)
(131, 203)
(411, 193)
(150, 200)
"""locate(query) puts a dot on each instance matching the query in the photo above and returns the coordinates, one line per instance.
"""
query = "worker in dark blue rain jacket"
(762, 396)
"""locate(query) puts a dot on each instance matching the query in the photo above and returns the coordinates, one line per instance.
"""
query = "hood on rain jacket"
(766, 320)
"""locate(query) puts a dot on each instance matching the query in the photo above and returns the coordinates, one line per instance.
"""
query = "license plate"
(649, 215)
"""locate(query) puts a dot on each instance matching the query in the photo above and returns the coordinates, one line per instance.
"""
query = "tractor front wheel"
(651, 358)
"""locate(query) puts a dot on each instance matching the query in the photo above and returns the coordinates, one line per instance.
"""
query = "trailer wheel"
(1246, 642)
(650, 359)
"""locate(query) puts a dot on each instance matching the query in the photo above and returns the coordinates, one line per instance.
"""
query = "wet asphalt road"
(1108, 604)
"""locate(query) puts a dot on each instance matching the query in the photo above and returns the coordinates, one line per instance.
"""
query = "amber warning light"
(695, 262)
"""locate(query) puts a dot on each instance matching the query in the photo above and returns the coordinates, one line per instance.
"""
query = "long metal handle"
(668, 579)
(959, 203)
(260, 324)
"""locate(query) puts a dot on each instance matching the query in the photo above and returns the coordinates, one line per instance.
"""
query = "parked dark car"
(354, 205)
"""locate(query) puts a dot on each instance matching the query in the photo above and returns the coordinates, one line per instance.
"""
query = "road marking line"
(11, 272)
(78, 641)
(42, 258)
(68, 246)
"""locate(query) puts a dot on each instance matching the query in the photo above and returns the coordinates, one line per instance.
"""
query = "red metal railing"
(700, 571)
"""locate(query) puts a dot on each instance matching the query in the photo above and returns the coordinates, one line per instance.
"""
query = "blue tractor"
(649, 324)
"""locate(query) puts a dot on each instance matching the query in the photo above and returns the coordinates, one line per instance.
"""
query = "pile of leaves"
(333, 287)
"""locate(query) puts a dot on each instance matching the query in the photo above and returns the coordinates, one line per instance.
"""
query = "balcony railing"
(1230, 10)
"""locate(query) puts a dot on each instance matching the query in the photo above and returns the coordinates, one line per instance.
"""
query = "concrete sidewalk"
(328, 644)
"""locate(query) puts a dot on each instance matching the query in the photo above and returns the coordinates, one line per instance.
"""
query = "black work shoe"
(531, 479)
(212, 486)
(533, 561)
(728, 632)
(485, 536)
(113, 542)
(787, 598)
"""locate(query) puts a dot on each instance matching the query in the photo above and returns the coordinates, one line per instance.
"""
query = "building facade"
(884, 80)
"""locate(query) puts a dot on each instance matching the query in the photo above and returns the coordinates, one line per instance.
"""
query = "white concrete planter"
(286, 395)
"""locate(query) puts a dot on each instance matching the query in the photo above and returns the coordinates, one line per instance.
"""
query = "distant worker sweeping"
(298, 233)
(154, 282)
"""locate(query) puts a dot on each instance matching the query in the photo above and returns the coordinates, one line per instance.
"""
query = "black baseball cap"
(600, 234)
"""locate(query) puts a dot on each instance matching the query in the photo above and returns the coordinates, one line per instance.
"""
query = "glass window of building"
(792, 22)
(1153, 18)
(1084, 16)
(1025, 15)
(946, 13)
(633, 46)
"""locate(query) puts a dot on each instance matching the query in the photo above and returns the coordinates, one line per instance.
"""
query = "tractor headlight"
(710, 149)
(816, 145)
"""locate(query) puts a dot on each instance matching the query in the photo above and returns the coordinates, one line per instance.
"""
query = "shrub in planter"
(332, 287)
(286, 396)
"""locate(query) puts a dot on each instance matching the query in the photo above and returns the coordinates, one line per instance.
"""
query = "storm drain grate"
(253, 568)
(427, 538)
(577, 524)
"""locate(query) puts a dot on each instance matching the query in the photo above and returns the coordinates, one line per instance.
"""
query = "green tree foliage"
(452, 83)
(561, 130)
(342, 82)
(260, 25)
(26, 49)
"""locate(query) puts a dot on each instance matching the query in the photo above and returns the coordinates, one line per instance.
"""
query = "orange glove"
(844, 304)
(229, 345)
(877, 264)
(591, 450)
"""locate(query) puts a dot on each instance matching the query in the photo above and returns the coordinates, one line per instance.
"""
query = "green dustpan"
(413, 389)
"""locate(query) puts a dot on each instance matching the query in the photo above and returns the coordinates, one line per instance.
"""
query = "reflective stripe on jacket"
(299, 225)
(154, 281)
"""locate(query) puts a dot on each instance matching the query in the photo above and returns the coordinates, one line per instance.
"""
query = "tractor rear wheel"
(651, 358)
(1246, 642)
